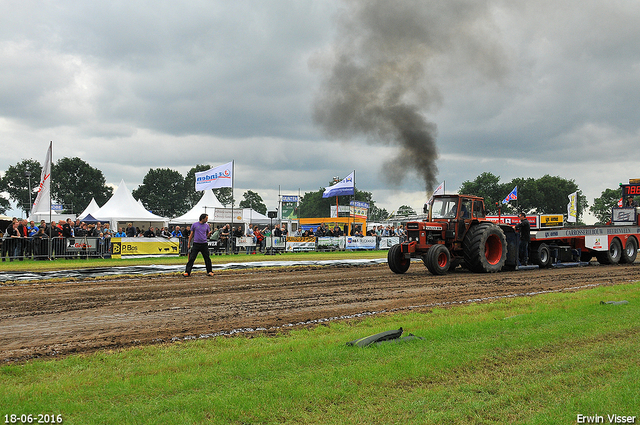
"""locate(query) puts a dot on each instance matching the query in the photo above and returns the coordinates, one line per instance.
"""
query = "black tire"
(485, 248)
(397, 263)
(613, 255)
(541, 255)
(438, 259)
(630, 251)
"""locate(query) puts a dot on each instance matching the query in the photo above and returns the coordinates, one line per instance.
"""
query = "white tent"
(91, 209)
(205, 205)
(208, 203)
(250, 216)
(123, 208)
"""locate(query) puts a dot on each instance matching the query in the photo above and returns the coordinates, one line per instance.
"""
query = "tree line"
(168, 193)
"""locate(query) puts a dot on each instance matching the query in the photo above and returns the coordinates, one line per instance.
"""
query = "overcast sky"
(297, 92)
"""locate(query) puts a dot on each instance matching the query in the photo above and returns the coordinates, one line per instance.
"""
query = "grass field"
(543, 359)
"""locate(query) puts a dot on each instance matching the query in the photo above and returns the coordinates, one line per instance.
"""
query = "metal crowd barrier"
(53, 248)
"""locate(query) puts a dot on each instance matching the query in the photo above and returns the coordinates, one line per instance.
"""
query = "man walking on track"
(200, 232)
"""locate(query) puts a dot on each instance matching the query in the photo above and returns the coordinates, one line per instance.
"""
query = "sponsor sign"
(122, 247)
(278, 242)
(289, 210)
(57, 207)
(290, 198)
(389, 241)
(225, 215)
(331, 242)
(295, 243)
(365, 242)
(82, 244)
(551, 220)
(624, 215)
(245, 241)
(597, 243)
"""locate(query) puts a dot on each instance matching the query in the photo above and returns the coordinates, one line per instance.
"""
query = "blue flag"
(511, 196)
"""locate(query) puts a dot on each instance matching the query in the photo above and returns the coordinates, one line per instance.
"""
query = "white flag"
(215, 178)
(42, 204)
(572, 208)
(346, 186)
(439, 190)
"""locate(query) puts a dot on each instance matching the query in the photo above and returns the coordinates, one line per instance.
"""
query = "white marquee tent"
(122, 208)
(91, 209)
(208, 203)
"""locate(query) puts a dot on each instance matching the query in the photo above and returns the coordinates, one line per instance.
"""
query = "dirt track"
(42, 320)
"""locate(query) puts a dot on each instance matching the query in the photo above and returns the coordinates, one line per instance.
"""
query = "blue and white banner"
(346, 186)
(215, 178)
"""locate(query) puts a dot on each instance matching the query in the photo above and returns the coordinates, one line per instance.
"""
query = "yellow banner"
(551, 220)
(122, 247)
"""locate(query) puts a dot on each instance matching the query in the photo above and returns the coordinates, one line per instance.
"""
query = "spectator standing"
(525, 238)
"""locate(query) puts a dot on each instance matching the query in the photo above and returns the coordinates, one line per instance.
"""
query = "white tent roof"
(206, 204)
(254, 217)
(91, 209)
(123, 207)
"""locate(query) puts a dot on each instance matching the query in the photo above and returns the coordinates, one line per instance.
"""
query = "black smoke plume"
(377, 83)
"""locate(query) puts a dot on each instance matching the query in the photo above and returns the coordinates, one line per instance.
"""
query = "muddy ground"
(56, 319)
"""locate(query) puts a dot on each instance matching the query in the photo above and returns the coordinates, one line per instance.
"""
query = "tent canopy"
(123, 208)
(90, 210)
(205, 205)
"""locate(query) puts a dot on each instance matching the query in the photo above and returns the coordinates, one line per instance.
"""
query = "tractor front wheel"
(397, 263)
(438, 259)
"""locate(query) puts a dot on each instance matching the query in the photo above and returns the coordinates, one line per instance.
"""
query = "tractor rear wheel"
(612, 255)
(485, 248)
(540, 255)
(397, 263)
(630, 251)
(438, 259)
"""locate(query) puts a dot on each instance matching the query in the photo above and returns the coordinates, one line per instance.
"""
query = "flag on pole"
(42, 204)
(439, 190)
(513, 196)
(620, 202)
(215, 178)
(572, 208)
(346, 186)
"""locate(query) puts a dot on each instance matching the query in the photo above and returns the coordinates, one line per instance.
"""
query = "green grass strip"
(539, 360)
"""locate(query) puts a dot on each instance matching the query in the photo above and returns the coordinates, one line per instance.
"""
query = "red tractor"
(456, 233)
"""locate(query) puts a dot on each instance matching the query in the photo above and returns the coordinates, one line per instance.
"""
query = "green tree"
(162, 192)
(487, 186)
(16, 183)
(225, 196)
(254, 201)
(405, 210)
(74, 182)
(377, 214)
(602, 206)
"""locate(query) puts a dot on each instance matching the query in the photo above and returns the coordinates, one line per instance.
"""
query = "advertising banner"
(331, 242)
(359, 209)
(387, 242)
(124, 247)
(300, 244)
(289, 210)
(365, 242)
(245, 241)
(514, 219)
(82, 244)
(224, 215)
(551, 220)
(278, 242)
